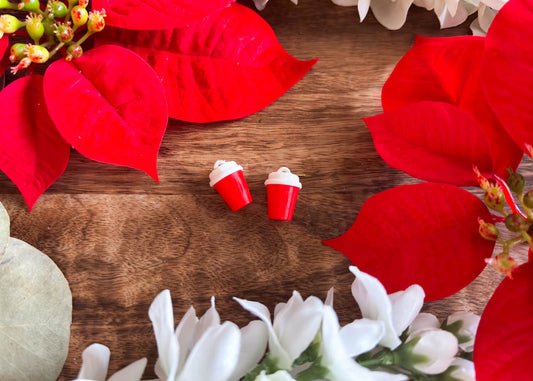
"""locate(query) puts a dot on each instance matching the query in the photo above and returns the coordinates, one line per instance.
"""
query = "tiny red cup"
(282, 192)
(228, 180)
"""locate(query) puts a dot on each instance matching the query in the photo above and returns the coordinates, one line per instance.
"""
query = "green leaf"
(35, 313)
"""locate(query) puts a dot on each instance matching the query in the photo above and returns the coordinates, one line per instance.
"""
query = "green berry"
(34, 26)
(30, 5)
(57, 8)
(494, 197)
(18, 51)
(10, 24)
(528, 199)
(516, 223)
(79, 15)
(73, 51)
(515, 181)
(64, 32)
(37, 53)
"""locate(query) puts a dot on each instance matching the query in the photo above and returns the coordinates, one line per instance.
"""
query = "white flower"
(339, 346)
(390, 13)
(464, 326)
(184, 353)
(95, 363)
(437, 346)
(296, 324)
(462, 370)
(423, 320)
(396, 310)
(261, 4)
(280, 375)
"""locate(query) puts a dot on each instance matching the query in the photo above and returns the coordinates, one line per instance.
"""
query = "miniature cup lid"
(285, 177)
(222, 169)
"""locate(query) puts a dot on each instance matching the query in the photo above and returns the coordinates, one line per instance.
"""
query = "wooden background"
(120, 238)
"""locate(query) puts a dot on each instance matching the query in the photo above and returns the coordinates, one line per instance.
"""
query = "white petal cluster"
(303, 339)
(393, 13)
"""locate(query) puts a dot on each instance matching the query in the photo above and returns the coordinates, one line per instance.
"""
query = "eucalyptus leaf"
(4, 230)
(35, 314)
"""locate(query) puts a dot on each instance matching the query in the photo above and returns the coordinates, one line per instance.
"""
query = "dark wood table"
(120, 238)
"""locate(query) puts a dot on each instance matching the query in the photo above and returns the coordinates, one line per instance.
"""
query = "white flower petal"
(95, 362)
(362, 7)
(405, 306)
(210, 318)
(260, 4)
(254, 339)
(132, 372)
(446, 20)
(277, 352)
(465, 370)
(384, 376)
(452, 6)
(329, 297)
(345, 3)
(361, 335)
(495, 4)
(280, 375)
(468, 328)
(297, 324)
(162, 318)
(214, 356)
(428, 4)
(436, 344)
(424, 320)
(185, 334)
(391, 14)
(374, 304)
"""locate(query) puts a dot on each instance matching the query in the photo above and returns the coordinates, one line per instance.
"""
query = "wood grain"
(120, 238)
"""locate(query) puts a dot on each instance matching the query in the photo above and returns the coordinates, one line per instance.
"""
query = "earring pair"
(227, 178)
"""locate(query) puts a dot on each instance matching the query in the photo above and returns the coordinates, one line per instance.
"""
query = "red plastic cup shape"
(282, 192)
(228, 180)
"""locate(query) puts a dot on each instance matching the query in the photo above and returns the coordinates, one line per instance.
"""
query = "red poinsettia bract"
(451, 104)
(227, 66)
(197, 61)
(504, 340)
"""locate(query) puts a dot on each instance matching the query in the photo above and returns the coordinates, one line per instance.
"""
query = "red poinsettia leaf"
(34, 155)
(504, 339)
(424, 234)
(433, 141)
(228, 66)
(157, 14)
(447, 69)
(507, 70)
(4, 54)
(110, 105)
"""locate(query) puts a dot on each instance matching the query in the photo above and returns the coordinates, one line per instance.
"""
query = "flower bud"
(73, 51)
(18, 52)
(30, 5)
(460, 370)
(494, 197)
(528, 199)
(423, 320)
(5, 4)
(79, 15)
(503, 263)
(429, 351)
(34, 26)
(463, 325)
(487, 230)
(64, 32)
(56, 8)
(516, 223)
(49, 26)
(96, 21)
(10, 24)
(515, 181)
(37, 53)
(84, 3)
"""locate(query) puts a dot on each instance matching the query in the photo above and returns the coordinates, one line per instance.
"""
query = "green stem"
(56, 49)
(84, 37)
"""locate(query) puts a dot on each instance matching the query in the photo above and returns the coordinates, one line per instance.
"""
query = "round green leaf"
(35, 314)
